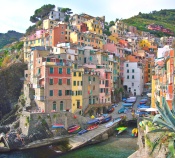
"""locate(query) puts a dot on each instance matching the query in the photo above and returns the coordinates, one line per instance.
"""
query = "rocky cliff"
(10, 86)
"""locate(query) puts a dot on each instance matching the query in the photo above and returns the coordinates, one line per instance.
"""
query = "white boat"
(113, 122)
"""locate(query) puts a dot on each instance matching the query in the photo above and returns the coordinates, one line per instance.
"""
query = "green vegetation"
(165, 123)
(165, 17)
(42, 12)
(67, 12)
(9, 37)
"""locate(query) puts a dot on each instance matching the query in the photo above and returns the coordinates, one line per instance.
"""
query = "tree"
(111, 23)
(67, 12)
(40, 13)
(116, 19)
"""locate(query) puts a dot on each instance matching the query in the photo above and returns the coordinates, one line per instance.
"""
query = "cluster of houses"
(156, 27)
(73, 66)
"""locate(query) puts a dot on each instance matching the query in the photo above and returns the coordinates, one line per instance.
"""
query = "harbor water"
(117, 146)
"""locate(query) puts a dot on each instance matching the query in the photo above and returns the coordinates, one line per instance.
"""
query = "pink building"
(111, 47)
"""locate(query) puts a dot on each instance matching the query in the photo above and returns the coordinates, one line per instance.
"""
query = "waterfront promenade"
(77, 141)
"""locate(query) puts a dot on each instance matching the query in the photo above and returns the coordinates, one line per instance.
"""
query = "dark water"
(115, 147)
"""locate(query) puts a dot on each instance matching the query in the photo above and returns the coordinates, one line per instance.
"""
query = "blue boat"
(127, 104)
(82, 131)
(93, 121)
(107, 119)
(57, 126)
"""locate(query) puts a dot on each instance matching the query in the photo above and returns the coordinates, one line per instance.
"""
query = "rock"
(4, 129)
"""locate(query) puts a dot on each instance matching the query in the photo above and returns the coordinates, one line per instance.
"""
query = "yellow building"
(153, 105)
(86, 39)
(94, 26)
(77, 82)
(144, 43)
(113, 38)
(49, 24)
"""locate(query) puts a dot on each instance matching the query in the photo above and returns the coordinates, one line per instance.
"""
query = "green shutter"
(51, 70)
(51, 92)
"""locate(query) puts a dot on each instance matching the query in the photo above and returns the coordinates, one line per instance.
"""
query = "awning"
(151, 109)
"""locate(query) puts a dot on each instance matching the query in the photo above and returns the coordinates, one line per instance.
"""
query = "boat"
(82, 131)
(134, 132)
(71, 127)
(118, 119)
(74, 129)
(93, 121)
(58, 126)
(92, 127)
(106, 119)
(120, 129)
(110, 110)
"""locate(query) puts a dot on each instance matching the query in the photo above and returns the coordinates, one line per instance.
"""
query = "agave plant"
(166, 122)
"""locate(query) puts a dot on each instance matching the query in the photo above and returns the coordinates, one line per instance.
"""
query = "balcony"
(108, 70)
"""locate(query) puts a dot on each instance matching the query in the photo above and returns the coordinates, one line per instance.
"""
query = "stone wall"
(65, 118)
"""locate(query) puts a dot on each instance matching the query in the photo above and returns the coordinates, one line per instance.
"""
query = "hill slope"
(9, 37)
(165, 17)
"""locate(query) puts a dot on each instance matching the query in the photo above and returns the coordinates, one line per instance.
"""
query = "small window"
(132, 76)
(60, 81)
(51, 70)
(132, 70)
(79, 74)
(128, 77)
(51, 81)
(60, 70)
(93, 78)
(51, 92)
(74, 83)
(127, 70)
(60, 93)
(127, 65)
(68, 81)
(68, 70)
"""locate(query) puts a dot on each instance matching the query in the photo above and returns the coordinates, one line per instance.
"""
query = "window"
(127, 70)
(51, 81)
(89, 78)
(67, 92)
(74, 73)
(79, 74)
(93, 78)
(62, 33)
(93, 87)
(60, 70)
(132, 70)
(74, 83)
(127, 65)
(128, 77)
(51, 92)
(60, 81)
(81, 83)
(68, 81)
(51, 70)
(132, 84)
(132, 76)
(61, 105)
(68, 70)
(59, 92)
(54, 105)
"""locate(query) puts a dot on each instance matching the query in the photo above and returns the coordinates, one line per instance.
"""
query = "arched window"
(54, 105)
(61, 105)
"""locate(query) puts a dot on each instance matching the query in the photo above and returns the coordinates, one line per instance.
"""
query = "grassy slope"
(163, 17)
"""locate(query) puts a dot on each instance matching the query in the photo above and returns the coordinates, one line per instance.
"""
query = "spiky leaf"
(171, 148)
